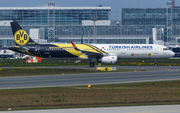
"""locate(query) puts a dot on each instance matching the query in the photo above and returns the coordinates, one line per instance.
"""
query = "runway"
(152, 74)
(127, 109)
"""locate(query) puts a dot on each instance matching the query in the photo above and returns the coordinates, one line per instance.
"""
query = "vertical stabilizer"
(20, 36)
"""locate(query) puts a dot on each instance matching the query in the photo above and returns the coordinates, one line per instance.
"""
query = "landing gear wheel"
(155, 64)
(91, 64)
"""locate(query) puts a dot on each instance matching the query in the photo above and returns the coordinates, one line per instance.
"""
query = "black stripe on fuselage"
(96, 48)
(46, 52)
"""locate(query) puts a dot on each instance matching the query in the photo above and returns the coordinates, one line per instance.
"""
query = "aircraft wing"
(90, 54)
(18, 47)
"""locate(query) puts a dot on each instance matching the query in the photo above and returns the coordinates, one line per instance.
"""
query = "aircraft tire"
(91, 64)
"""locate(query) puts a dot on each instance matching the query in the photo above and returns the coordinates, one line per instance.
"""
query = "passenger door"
(122, 51)
(37, 49)
(156, 51)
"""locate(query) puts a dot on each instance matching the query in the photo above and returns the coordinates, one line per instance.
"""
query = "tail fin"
(20, 36)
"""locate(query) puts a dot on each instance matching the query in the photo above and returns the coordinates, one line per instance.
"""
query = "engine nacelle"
(109, 59)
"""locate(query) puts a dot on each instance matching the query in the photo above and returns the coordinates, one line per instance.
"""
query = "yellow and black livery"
(24, 44)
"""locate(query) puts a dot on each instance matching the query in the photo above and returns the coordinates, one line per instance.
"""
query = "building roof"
(61, 8)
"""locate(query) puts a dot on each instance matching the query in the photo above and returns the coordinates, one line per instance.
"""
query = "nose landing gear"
(155, 62)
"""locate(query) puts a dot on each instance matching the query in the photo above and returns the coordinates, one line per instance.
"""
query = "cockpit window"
(165, 49)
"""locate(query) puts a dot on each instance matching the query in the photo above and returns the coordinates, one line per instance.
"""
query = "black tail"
(20, 36)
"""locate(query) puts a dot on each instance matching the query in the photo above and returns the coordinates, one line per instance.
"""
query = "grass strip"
(22, 71)
(56, 63)
(151, 93)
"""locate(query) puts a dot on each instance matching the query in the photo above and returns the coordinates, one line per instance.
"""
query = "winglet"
(75, 47)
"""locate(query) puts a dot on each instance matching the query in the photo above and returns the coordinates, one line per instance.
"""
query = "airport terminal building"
(62, 24)
(155, 18)
(52, 22)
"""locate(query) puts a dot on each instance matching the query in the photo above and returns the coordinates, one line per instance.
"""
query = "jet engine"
(108, 59)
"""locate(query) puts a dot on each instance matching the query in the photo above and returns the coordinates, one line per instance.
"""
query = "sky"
(116, 5)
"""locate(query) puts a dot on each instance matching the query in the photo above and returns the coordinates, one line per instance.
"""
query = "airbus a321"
(104, 53)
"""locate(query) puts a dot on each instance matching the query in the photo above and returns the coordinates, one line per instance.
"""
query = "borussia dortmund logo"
(21, 37)
(149, 54)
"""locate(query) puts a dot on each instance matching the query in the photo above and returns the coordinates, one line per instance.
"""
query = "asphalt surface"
(152, 74)
(127, 109)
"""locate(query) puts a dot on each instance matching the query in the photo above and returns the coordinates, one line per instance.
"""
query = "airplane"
(7, 54)
(103, 53)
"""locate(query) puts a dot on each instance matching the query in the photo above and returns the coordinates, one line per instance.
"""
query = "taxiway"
(152, 74)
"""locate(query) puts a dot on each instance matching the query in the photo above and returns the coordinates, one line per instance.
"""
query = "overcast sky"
(115, 5)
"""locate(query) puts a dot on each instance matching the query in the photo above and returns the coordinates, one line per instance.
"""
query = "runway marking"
(87, 78)
(158, 111)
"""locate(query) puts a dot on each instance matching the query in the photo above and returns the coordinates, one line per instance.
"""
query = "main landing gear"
(92, 62)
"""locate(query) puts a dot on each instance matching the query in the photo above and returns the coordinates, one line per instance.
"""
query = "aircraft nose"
(172, 54)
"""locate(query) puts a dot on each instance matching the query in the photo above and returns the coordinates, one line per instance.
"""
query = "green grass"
(151, 93)
(49, 71)
(56, 62)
